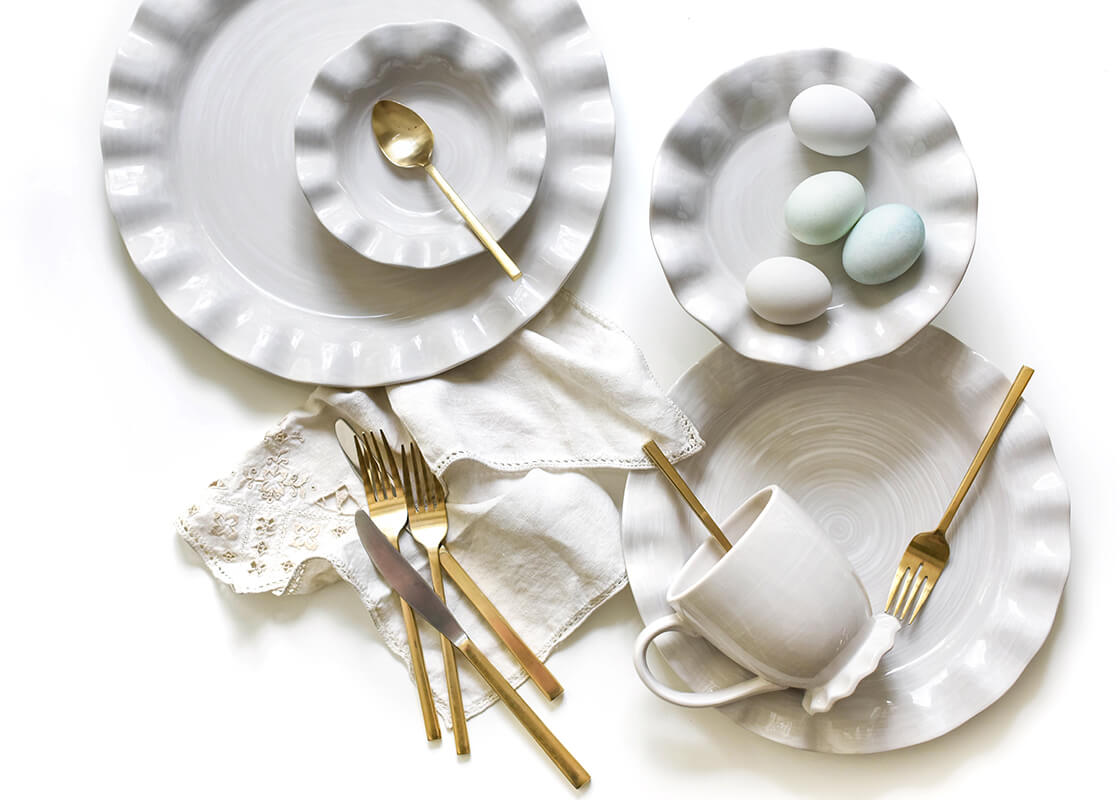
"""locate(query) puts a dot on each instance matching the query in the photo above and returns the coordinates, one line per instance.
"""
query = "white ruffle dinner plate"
(199, 153)
(489, 133)
(720, 184)
(874, 452)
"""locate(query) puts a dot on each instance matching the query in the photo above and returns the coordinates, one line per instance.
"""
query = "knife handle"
(533, 666)
(420, 673)
(547, 740)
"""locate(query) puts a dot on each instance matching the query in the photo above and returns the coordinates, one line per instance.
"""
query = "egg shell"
(832, 120)
(824, 207)
(788, 291)
(884, 244)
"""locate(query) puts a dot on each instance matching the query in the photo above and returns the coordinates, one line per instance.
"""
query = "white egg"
(824, 207)
(788, 291)
(832, 120)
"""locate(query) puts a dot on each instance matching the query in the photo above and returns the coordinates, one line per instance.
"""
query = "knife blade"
(408, 583)
(345, 433)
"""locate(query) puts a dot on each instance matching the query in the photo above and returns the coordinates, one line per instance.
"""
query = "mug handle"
(718, 697)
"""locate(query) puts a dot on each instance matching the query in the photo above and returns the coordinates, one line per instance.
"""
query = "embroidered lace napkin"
(527, 438)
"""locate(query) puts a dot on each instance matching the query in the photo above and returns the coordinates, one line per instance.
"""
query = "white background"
(126, 668)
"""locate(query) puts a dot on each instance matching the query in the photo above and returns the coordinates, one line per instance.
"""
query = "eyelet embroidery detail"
(225, 526)
(306, 537)
(340, 501)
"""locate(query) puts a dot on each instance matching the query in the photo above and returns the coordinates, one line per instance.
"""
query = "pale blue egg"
(824, 207)
(884, 244)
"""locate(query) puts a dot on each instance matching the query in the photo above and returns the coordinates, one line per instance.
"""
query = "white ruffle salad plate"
(720, 183)
(490, 143)
(199, 154)
(873, 452)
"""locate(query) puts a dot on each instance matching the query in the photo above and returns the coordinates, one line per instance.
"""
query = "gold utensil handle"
(661, 461)
(998, 424)
(477, 228)
(536, 670)
(552, 746)
(420, 673)
(450, 670)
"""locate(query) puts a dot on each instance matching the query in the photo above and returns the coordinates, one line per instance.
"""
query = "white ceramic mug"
(784, 603)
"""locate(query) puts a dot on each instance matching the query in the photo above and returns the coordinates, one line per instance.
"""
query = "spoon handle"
(488, 241)
(661, 461)
(998, 424)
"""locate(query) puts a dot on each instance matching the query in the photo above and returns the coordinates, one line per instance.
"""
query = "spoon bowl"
(402, 135)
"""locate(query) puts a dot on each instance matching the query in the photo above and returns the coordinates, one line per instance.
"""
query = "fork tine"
(390, 463)
(377, 470)
(363, 469)
(920, 579)
(904, 589)
(371, 470)
(413, 466)
(435, 488)
(424, 477)
(925, 594)
(409, 495)
(898, 573)
(902, 580)
(375, 458)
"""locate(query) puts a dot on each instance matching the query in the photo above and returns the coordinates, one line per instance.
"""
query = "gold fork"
(434, 534)
(428, 525)
(927, 553)
(387, 509)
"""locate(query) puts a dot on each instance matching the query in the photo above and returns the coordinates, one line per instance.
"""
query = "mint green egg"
(824, 207)
(884, 244)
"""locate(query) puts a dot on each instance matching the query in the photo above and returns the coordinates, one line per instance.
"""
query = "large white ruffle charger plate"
(720, 183)
(873, 452)
(199, 153)
(489, 131)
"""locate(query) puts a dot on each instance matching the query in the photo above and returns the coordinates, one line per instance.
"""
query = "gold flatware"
(387, 509)
(428, 525)
(407, 141)
(927, 553)
(433, 535)
(407, 582)
(661, 461)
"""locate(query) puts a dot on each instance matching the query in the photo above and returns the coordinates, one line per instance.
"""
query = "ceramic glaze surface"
(872, 452)
(200, 172)
(727, 167)
(489, 132)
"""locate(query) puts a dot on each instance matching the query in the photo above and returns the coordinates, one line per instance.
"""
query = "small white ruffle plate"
(720, 183)
(874, 452)
(490, 143)
(199, 155)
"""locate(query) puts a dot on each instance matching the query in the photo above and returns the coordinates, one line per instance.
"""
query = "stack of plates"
(199, 143)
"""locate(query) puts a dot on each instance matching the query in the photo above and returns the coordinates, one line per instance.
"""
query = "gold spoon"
(661, 461)
(407, 141)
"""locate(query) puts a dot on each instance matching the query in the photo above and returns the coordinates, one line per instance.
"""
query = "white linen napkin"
(527, 439)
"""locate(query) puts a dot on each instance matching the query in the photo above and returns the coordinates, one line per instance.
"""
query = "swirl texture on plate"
(728, 165)
(490, 143)
(873, 452)
(200, 173)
